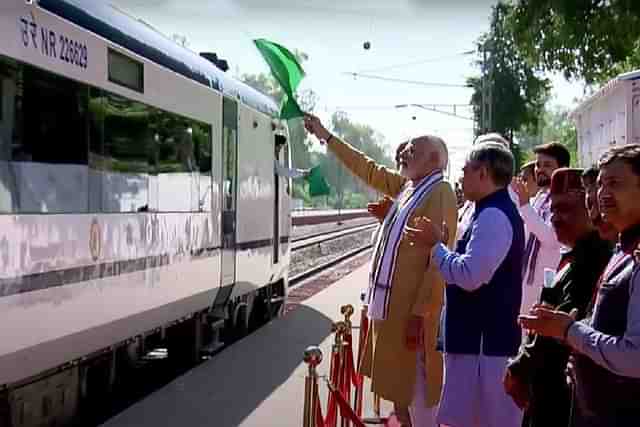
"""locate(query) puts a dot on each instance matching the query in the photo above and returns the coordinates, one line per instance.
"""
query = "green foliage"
(631, 63)
(518, 91)
(555, 126)
(592, 40)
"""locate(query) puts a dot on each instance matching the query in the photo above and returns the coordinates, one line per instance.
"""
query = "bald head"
(493, 137)
(437, 147)
(423, 155)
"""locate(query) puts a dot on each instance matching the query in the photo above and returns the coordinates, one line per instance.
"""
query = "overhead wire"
(404, 81)
(418, 62)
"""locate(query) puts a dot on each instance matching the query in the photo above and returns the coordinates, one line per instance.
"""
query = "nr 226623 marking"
(51, 44)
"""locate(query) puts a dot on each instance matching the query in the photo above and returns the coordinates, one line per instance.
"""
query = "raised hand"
(520, 189)
(314, 126)
(380, 208)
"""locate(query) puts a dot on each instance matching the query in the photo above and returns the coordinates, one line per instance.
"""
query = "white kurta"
(537, 220)
(465, 213)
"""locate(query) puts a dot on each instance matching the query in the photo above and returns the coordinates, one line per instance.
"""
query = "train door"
(284, 213)
(635, 120)
(279, 143)
(229, 189)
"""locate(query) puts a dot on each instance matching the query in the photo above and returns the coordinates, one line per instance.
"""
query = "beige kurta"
(417, 289)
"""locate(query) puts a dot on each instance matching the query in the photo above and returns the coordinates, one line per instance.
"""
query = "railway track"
(359, 233)
(317, 238)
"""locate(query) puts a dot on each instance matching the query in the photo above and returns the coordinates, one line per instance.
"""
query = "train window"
(69, 148)
(43, 141)
(121, 158)
(126, 71)
(97, 162)
(202, 148)
(176, 170)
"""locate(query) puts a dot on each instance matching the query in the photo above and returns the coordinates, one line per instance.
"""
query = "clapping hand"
(425, 233)
(548, 323)
(520, 188)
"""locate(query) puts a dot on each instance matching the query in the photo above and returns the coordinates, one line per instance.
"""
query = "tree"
(582, 39)
(555, 126)
(518, 91)
(351, 191)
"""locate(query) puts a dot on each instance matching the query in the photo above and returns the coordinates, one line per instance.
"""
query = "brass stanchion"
(337, 329)
(347, 311)
(337, 359)
(365, 327)
(376, 405)
(312, 357)
(362, 339)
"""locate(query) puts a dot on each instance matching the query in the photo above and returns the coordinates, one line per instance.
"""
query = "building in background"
(609, 117)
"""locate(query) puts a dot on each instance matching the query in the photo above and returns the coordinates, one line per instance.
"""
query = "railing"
(342, 406)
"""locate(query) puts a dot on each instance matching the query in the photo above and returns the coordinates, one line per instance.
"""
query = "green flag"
(287, 71)
(317, 184)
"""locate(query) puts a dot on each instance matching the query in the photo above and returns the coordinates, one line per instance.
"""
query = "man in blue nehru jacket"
(483, 294)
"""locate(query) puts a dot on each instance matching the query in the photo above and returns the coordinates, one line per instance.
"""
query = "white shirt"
(537, 219)
(465, 213)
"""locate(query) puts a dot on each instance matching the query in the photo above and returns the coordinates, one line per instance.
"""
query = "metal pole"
(339, 193)
(338, 328)
(347, 311)
(483, 109)
(312, 357)
(343, 375)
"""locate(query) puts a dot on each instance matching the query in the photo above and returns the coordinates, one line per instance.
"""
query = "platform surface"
(258, 381)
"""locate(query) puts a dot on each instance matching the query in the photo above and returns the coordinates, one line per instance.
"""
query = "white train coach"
(609, 117)
(138, 202)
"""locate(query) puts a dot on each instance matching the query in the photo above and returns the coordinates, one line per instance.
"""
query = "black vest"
(602, 397)
(486, 319)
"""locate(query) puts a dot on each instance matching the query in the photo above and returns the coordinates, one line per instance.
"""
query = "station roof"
(142, 39)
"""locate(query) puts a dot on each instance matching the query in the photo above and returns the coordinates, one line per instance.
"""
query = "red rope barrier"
(345, 408)
(356, 378)
(332, 407)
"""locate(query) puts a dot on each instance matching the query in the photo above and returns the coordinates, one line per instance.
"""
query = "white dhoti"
(473, 393)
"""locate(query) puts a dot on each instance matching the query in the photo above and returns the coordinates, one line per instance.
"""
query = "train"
(609, 117)
(139, 205)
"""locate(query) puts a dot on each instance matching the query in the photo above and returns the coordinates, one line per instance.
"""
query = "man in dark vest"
(483, 293)
(607, 345)
(536, 377)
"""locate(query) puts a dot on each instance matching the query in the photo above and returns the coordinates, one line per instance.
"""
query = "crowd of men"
(516, 303)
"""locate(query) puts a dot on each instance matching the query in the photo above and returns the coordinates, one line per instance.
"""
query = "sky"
(416, 40)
